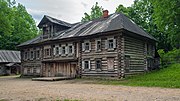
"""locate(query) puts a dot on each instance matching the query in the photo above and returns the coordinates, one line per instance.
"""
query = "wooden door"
(73, 70)
(110, 64)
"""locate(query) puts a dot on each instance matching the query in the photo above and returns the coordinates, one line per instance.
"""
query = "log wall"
(134, 49)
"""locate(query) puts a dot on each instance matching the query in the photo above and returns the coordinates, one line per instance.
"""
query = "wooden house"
(10, 62)
(112, 45)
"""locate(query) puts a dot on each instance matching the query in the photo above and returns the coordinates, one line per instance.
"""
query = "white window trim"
(70, 54)
(56, 46)
(37, 53)
(83, 64)
(98, 50)
(63, 54)
(83, 46)
(107, 44)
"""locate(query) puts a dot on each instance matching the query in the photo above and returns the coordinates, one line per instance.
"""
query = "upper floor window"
(110, 43)
(32, 55)
(70, 49)
(25, 55)
(47, 52)
(98, 45)
(38, 54)
(57, 50)
(63, 50)
(86, 46)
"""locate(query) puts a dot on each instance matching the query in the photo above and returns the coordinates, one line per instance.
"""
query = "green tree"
(96, 12)
(141, 12)
(16, 25)
(167, 17)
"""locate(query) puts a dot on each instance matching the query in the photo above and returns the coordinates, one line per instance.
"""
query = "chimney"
(105, 13)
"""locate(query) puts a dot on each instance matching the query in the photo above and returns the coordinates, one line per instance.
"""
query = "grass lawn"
(167, 77)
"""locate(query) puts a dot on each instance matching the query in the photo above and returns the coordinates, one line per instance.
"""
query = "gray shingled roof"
(7, 56)
(115, 21)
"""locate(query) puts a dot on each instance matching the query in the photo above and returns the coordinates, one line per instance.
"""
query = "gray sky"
(68, 10)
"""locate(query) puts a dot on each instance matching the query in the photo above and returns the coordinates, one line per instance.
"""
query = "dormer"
(50, 26)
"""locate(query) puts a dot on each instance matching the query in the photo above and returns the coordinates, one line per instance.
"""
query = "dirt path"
(15, 89)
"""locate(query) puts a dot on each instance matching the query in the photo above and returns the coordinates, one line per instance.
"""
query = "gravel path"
(16, 89)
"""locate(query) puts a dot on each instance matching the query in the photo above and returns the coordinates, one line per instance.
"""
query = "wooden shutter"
(66, 50)
(89, 64)
(82, 64)
(106, 44)
(60, 50)
(54, 50)
(83, 47)
(89, 45)
(96, 42)
(114, 43)
(73, 49)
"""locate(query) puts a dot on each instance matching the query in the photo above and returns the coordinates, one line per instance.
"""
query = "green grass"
(167, 77)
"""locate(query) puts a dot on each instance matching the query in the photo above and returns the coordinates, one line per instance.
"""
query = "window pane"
(86, 64)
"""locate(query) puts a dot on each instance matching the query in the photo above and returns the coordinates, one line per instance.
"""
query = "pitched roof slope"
(7, 56)
(115, 21)
(54, 20)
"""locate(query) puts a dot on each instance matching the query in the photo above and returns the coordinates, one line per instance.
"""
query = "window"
(63, 50)
(98, 45)
(57, 51)
(110, 44)
(70, 49)
(26, 55)
(98, 64)
(38, 54)
(32, 54)
(87, 46)
(47, 52)
(86, 64)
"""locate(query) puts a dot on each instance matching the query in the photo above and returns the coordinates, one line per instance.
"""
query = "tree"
(96, 12)
(16, 25)
(167, 17)
(141, 12)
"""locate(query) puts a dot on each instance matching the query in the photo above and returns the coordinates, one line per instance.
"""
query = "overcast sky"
(68, 10)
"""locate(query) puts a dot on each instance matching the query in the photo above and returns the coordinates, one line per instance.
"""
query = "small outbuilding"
(10, 62)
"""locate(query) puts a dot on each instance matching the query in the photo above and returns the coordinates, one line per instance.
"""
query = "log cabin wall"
(137, 54)
(31, 61)
(108, 57)
(134, 54)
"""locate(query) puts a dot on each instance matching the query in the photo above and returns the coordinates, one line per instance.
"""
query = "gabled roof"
(116, 21)
(53, 20)
(7, 56)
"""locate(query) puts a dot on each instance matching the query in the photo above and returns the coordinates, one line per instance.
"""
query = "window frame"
(98, 45)
(100, 64)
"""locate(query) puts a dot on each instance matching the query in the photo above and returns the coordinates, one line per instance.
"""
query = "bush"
(170, 57)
